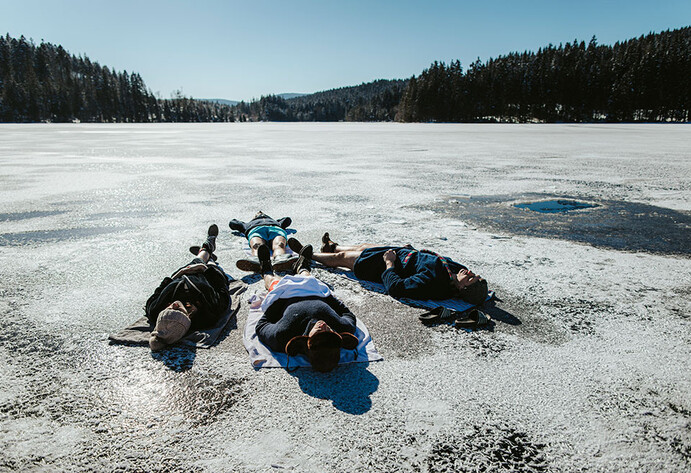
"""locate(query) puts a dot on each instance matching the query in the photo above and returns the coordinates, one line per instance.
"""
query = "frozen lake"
(585, 368)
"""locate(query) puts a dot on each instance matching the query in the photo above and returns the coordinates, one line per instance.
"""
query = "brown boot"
(328, 246)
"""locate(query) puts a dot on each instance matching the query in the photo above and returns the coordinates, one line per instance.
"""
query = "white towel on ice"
(262, 357)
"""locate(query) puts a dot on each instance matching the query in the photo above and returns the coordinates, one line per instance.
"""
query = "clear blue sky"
(239, 50)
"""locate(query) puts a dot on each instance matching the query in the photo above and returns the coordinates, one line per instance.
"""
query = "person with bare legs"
(403, 270)
(302, 317)
(194, 297)
(263, 230)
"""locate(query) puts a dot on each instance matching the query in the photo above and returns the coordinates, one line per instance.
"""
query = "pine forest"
(642, 79)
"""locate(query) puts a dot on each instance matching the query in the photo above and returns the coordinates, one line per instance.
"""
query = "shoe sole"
(469, 321)
(248, 265)
(438, 314)
(295, 245)
(305, 254)
(196, 249)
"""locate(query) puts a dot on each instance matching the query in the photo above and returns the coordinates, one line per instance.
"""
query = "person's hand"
(466, 278)
(389, 258)
(195, 268)
(177, 305)
(191, 269)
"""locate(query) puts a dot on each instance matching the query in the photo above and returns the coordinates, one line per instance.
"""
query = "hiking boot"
(304, 262)
(264, 255)
(294, 245)
(328, 246)
(209, 244)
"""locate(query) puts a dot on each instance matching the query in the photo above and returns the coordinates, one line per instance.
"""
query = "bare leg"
(329, 246)
(342, 259)
(359, 248)
(346, 248)
(255, 242)
(269, 279)
(204, 255)
(278, 244)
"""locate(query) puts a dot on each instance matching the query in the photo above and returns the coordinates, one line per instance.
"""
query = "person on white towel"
(302, 317)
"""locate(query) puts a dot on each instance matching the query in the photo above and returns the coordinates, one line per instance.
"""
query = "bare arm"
(191, 269)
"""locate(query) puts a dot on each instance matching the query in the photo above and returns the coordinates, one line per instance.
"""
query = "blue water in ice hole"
(555, 206)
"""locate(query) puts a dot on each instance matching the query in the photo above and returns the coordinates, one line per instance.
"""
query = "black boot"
(304, 262)
(264, 255)
(208, 245)
(294, 245)
(328, 246)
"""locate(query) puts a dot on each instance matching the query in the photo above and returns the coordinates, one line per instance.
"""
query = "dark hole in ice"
(555, 206)
(617, 224)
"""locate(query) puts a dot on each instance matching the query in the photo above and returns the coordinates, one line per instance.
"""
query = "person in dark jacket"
(301, 317)
(404, 271)
(197, 291)
(264, 230)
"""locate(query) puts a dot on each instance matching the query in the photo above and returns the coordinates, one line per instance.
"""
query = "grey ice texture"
(586, 367)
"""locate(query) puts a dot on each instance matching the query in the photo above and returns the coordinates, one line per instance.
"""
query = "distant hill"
(220, 101)
(372, 101)
(290, 96)
(232, 103)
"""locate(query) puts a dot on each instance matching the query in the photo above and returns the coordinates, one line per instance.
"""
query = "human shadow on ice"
(251, 278)
(349, 387)
(499, 314)
(177, 358)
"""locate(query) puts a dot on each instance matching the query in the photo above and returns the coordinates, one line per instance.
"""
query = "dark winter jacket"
(416, 274)
(260, 221)
(208, 291)
(288, 318)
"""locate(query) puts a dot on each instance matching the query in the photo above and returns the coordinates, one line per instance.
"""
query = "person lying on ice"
(264, 230)
(404, 271)
(193, 298)
(301, 317)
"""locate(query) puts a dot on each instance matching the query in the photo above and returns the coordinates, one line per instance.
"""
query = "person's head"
(172, 324)
(470, 287)
(322, 346)
(259, 214)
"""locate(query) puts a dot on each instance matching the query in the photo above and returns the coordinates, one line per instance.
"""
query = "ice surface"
(585, 368)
